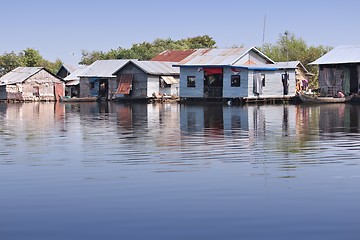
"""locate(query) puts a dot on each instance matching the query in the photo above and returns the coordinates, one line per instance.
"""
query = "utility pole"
(263, 40)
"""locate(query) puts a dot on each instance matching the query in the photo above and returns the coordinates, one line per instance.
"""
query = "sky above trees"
(62, 29)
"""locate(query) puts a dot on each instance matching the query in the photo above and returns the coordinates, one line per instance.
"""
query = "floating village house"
(31, 84)
(339, 70)
(94, 81)
(236, 73)
(302, 75)
(72, 82)
(65, 70)
(145, 80)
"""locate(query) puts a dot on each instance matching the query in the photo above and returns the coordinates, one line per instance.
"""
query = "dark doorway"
(213, 82)
(354, 82)
(103, 89)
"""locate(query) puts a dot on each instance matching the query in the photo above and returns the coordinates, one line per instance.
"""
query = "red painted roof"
(173, 55)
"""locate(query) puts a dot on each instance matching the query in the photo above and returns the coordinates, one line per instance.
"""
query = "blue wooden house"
(235, 73)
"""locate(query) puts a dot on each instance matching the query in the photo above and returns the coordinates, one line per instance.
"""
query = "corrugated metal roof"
(72, 82)
(170, 80)
(157, 67)
(69, 68)
(173, 55)
(76, 73)
(104, 68)
(340, 54)
(19, 75)
(229, 56)
(293, 65)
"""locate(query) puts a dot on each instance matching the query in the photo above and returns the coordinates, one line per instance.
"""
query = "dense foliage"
(287, 48)
(290, 48)
(26, 58)
(147, 50)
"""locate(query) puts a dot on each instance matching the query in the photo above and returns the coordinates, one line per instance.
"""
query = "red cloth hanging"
(209, 71)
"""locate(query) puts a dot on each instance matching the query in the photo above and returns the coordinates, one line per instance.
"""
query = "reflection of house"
(143, 79)
(72, 82)
(214, 119)
(94, 81)
(31, 84)
(234, 73)
(339, 70)
(65, 70)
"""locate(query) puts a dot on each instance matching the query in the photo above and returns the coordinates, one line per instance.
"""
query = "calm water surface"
(121, 171)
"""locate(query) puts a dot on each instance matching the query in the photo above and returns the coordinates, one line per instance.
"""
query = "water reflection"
(142, 168)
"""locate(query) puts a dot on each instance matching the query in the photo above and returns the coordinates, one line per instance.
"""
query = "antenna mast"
(263, 40)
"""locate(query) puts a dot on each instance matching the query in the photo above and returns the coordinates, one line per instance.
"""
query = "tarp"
(125, 84)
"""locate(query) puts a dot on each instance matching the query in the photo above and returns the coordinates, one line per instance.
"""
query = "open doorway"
(213, 82)
(354, 82)
(103, 89)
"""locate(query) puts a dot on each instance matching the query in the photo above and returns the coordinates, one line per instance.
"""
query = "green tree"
(8, 62)
(148, 50)
(26, 58)
(290, 48)
(31, 58)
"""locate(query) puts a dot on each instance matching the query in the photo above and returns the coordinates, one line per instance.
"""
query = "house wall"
(273, 83)
(175, 89)
(3, 93)
(152, 85)
(191, 92)
(63, 72)
(334, 73)
(139, 83)
(44, 81)
(235, 92)
(251, 57)
(85, 90)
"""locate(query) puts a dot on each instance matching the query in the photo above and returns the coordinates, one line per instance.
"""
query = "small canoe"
(75, 99)
(311, 98)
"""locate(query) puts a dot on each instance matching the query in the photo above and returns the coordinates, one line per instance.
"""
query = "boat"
(313, 98)
(76, 99)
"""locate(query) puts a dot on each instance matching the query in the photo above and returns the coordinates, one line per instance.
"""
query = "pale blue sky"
(60, 29)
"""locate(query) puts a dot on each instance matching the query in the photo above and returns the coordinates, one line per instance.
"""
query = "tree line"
(287, 48)
(26, 58)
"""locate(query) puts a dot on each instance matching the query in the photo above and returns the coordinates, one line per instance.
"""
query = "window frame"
(191, 81)
(233, 82)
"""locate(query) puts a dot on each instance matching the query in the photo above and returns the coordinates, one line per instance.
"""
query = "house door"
(103, 89)
(354, 85)
(213, 83)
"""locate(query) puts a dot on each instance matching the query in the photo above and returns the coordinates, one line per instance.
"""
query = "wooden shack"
(31, 84)
(72, 82)
(339, 70)
(144, 80)
(94, 81)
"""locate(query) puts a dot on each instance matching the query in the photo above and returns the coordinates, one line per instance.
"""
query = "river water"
(168, 171)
